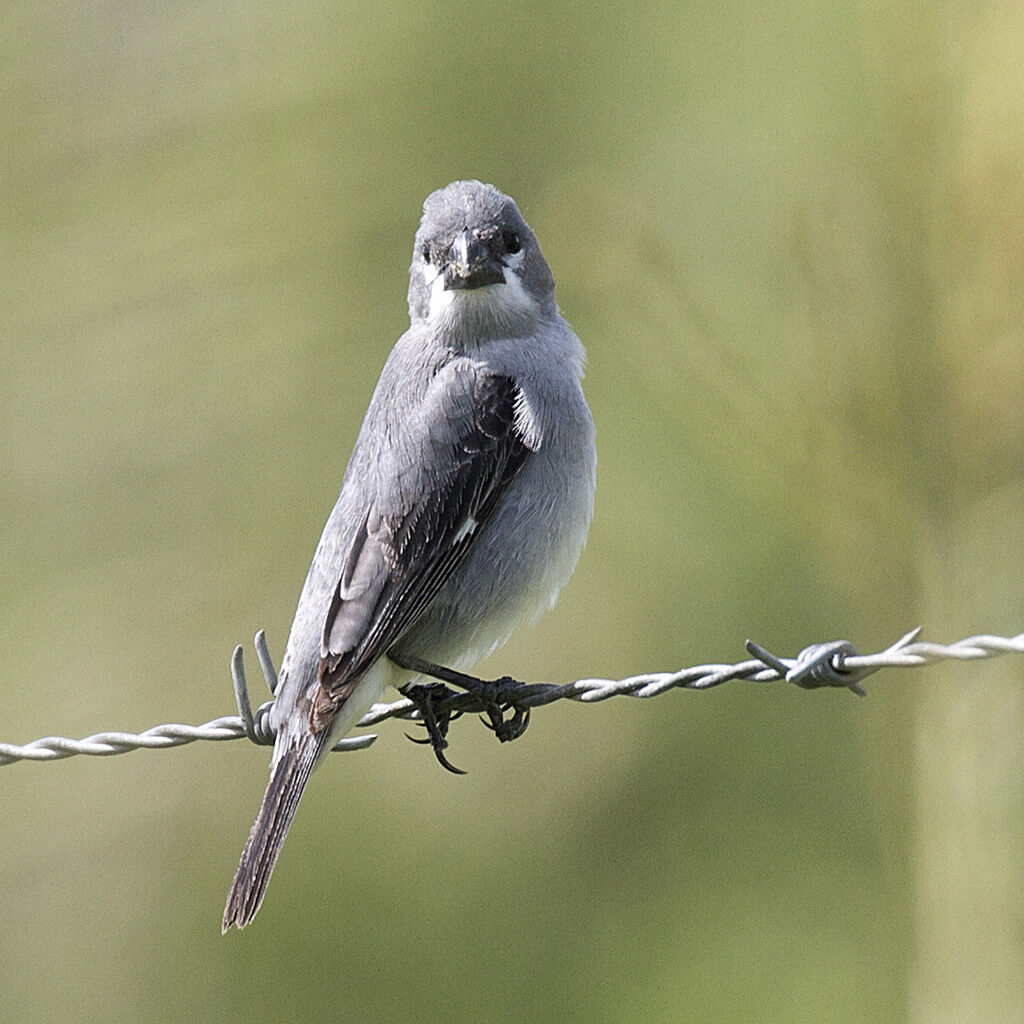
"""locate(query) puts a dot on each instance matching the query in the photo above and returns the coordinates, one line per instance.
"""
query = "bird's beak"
(471, 264)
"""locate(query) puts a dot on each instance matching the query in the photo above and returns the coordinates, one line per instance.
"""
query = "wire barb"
(834, 664)
(818, 665)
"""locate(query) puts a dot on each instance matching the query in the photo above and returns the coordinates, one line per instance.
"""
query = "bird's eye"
(512, 243)
(425, 253)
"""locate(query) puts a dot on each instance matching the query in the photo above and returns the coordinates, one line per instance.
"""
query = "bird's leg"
(496, 695)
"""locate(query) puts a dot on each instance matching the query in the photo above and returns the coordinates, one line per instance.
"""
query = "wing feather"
(401, 557)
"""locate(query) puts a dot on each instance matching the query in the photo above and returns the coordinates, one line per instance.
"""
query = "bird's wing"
(440, 494)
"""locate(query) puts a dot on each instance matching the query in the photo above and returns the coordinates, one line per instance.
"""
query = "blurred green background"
(791, 237)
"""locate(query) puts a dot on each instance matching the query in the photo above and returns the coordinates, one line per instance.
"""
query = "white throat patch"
(507, 304)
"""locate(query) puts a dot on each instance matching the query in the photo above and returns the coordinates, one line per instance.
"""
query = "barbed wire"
(834, 664)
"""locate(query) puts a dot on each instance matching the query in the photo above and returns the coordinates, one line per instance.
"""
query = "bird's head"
(477, 269)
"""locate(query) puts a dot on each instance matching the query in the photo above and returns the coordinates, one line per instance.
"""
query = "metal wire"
(835, 664)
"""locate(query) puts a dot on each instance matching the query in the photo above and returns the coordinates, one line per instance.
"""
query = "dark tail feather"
(287, 781)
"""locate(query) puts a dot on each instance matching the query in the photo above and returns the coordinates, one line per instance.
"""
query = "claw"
(445, 763)
(506, 729)
(517, 724)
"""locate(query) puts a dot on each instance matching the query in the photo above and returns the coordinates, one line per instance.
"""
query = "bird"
(462, 512)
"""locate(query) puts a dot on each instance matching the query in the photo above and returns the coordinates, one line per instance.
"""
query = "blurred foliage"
(792, 239)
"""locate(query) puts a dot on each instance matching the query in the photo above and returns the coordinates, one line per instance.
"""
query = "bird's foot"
(496, 695)
(426, 697)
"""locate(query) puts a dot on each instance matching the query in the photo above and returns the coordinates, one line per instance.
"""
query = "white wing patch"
(527, 423)
(465, 530)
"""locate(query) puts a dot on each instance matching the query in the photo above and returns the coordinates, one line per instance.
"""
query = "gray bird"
(464, 506)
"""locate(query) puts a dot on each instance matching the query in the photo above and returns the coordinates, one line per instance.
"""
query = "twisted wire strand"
(834, 664)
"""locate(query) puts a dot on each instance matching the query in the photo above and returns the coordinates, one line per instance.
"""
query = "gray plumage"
(464, 506)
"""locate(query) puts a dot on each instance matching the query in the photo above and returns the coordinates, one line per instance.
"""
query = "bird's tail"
(288, 778)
